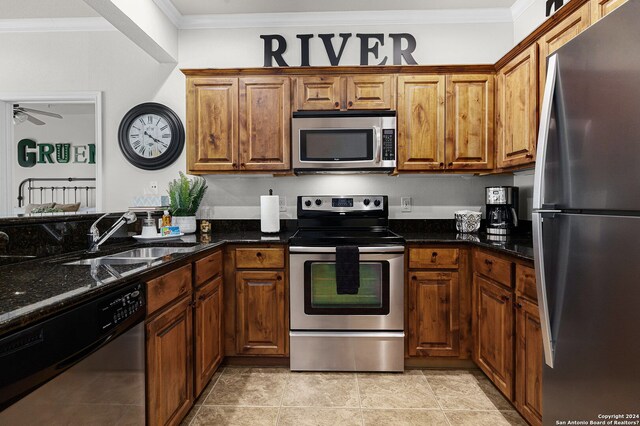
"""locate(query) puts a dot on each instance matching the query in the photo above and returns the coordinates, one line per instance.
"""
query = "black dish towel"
(347, 269)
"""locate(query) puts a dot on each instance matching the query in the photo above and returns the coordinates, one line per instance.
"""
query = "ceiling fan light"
(19, 117)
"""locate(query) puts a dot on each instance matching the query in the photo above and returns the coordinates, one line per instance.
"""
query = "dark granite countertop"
(36, 289)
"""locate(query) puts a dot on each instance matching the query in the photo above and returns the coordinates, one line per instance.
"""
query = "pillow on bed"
(73, 207)
(40, 207)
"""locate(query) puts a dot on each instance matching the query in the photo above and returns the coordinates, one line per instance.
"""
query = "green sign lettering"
(26, 158)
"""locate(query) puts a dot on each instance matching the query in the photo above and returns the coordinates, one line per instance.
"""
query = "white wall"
(529, 19)
(127, 76)
(76, 129)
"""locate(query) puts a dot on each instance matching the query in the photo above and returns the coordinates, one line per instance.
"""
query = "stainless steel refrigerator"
(586, 224)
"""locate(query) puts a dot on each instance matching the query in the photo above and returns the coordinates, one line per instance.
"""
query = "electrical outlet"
(283, 203)
(405, 204)
(153, 186)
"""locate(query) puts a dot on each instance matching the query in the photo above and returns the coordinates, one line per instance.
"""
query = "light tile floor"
(275, 396)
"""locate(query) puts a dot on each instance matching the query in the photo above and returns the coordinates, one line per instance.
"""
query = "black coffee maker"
(502, 209)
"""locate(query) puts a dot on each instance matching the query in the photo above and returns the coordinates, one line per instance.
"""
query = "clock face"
(151, 136)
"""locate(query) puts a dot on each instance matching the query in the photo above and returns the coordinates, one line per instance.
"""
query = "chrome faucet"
(95, 240)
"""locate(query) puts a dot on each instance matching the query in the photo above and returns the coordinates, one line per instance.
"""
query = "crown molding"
(345, 18)
(54, 25)
(519, 7)
(168, 8)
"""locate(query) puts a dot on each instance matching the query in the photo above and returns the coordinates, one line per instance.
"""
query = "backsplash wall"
(432, 196)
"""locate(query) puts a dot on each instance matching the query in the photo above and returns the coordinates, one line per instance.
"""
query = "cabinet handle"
(434, 256)
(350, 103)
(234, 165)
(212, 139)
(450, 164)
(202, 297)
(441, 164)
(488, 262)
(259, 254)
(413, 277)
(529, 156)
(242, 165)
(505, 298)
(337, 104)
(279, 277)
(519, 305)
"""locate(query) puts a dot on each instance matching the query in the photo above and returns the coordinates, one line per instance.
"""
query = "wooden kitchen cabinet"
(357, 92)
(170, 364)
(469, 121)
(261, 326)
(421, 122)
(238, 124)
(493, 330)
(516, 110)
(560, 35)
(601, 8)
(529, 361)
(208, 332)
(434, 313)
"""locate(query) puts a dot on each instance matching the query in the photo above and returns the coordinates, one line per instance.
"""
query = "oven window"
(336, 145)
(321, 296)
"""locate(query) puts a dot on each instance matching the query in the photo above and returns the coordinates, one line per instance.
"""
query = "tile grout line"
(359, 400)
(284, 391)
(436, 397)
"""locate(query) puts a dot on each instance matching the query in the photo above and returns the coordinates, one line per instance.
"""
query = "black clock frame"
(175, 146)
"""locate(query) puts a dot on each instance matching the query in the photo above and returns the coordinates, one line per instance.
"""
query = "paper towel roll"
(269, 213)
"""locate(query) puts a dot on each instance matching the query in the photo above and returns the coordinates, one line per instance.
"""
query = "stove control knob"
(366, 201)
(307, 203)
(318, 201)
(376, 203)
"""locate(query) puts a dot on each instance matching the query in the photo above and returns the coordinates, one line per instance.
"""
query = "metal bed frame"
(69, 193)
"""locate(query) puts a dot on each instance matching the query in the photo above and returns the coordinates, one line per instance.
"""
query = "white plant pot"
(187, 224)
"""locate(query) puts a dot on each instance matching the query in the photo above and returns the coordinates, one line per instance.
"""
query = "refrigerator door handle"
(548, 342)
(543, 133)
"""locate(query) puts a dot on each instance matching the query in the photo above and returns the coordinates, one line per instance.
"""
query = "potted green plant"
(185, 196)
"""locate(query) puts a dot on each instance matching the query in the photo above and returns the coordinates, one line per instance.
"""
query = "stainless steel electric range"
(357, 329)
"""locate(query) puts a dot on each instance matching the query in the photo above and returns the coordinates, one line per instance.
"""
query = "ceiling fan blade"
(33, 120)
(37, 111)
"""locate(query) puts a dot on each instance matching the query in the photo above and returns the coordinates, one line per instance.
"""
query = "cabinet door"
(212, 124)
(601, 8)
(560, 35)
(169, 365)
(318, 93)
(421, 128)
(469, 143)
(265, 120)
(517, 110)
(260, 310)
(208, 332)
(529, 362)
(493, 329)
(434, 314)
(370, 92)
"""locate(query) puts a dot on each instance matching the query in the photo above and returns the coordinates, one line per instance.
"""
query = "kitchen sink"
(133, 256)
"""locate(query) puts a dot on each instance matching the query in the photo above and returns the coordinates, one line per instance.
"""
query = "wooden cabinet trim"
(167, 288)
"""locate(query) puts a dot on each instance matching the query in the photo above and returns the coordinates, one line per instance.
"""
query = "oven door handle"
(321, 333)
(332, 249)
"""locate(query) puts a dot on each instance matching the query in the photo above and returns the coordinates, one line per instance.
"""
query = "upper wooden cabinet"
(238, 124)
(601, 8)
(421, 125)
(560, 35)
(469, 121)
(517, 117)
(212, 124)
(358, 92)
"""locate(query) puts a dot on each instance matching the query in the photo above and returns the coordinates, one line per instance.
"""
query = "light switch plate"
(405, 204)
(283, 203)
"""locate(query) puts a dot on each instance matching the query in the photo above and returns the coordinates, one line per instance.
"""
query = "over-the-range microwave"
(344, 141)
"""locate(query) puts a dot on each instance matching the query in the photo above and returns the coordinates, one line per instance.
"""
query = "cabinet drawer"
(259, 258)
(164, 289)
(208, 267)
(526, 282)
(497, 269)
(433, 258)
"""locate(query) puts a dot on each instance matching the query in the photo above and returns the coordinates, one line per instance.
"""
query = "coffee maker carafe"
(502, 209)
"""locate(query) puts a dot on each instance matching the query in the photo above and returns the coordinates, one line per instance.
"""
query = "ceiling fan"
(22, 114)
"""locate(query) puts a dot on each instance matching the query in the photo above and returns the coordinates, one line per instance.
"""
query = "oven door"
(316, 305)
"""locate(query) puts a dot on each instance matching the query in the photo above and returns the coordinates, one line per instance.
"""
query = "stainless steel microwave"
(344, 142)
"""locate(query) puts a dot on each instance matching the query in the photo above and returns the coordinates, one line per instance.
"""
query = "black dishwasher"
(84, 366)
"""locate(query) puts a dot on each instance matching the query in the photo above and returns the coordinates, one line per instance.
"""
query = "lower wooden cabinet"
(433, 314)
(207, 324)
(170, 364)
(529, 361)
(261, 326)
(493, 332)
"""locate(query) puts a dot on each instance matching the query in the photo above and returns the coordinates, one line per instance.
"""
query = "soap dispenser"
(149, 227)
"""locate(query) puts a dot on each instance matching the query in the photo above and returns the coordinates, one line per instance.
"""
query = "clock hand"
(156, 140)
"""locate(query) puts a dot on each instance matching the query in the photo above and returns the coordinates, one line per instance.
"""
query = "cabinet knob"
(488, 262)
(212, 139)
(279, 277)
(529, 156)
(350, 103)
(183, 288)
(242, 165)
(441, 164)
(413, 277)
(259, 254)
(337, 104)
(202, 297)
(434, 256)
(450, 164)
(234, 165)
(504, 298)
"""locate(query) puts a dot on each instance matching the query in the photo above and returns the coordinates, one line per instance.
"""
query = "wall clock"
(151, 136)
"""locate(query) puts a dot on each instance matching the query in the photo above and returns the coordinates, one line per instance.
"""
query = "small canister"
(205, 226)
